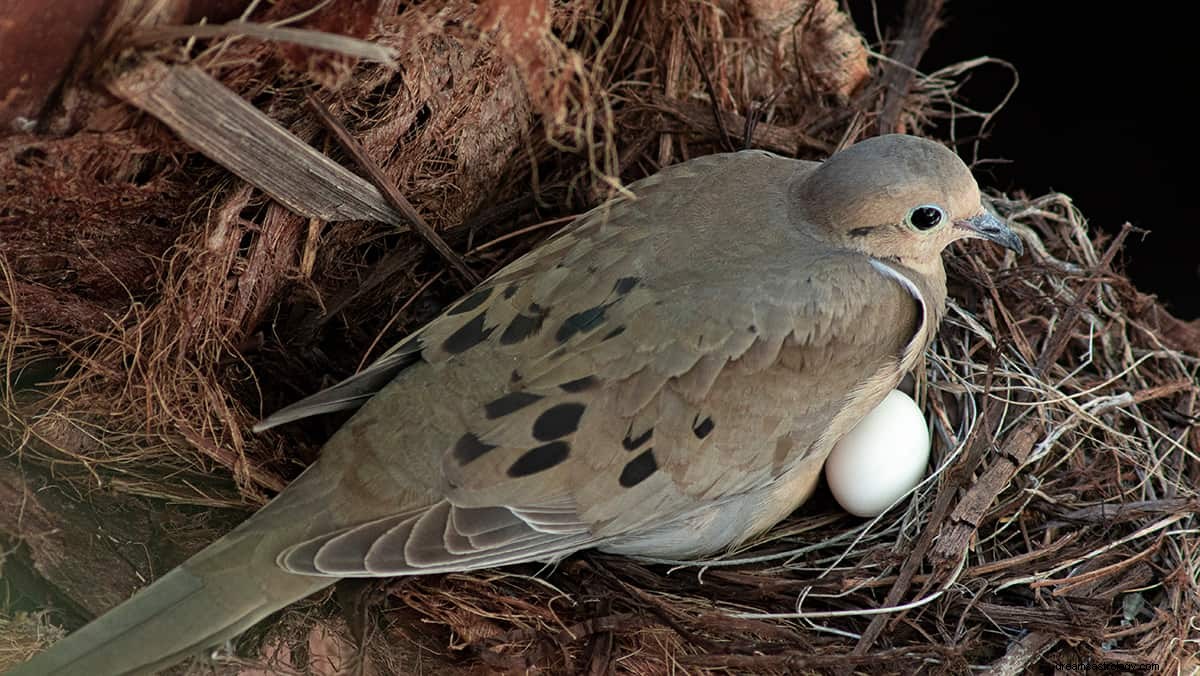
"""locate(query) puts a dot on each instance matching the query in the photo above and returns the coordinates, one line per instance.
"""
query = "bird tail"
(218, 593)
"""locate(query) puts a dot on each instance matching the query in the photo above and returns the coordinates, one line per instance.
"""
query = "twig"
(1022, 654)
(1067, 584)
(969, 512)
(332, 42)
(390, 192)
(796, 661)
(690, 39)
(754, 116)
(600, 647)
(921, 21)
(238, 136)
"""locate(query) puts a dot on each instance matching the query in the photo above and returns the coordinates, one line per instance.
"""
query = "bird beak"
(988, 226)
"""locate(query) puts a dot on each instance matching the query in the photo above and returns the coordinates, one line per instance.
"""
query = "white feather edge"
(915, 291)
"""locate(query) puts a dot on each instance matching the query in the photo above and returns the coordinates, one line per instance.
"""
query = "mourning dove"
(664, 378)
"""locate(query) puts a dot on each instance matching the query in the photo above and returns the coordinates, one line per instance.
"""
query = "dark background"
(1105, 112)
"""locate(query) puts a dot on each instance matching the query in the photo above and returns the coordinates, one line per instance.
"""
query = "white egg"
(881, 458)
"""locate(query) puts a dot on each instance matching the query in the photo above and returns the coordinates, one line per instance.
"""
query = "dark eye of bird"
(925, 217)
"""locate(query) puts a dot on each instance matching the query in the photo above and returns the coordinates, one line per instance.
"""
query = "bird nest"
(155, 306)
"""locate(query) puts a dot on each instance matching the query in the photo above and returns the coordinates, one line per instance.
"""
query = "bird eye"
(925, 216)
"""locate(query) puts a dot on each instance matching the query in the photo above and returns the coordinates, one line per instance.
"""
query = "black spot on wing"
(467, 336)
(510, 291)
(558, 421)
(520, 328)
(471, 302)
(509, 403)
(634, 443)
(580, 385)
(469, 447)
(625, 284)
(703, 428)
(540, 459)
(639, 469)
(523, 325)
(613, 334)
(580, 322)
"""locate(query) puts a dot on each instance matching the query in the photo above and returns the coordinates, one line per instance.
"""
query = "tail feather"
(214, 596)
(237, 581)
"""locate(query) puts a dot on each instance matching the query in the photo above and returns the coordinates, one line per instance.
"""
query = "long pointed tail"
(180, 614)
(213, 596)
(236, 581)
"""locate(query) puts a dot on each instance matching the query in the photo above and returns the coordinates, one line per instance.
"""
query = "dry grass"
(1058, 527)
(22, 636)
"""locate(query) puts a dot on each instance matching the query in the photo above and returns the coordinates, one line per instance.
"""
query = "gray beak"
(988, 226)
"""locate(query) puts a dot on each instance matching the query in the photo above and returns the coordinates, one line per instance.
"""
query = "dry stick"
(690, 39)
(331, 42)
(921, 21)
(600, 647)
(955, 535)
(1072, 582)
(1084, 626)
(754, 115)
(974, 571)
(223, 126)
(1110, 514)
(797, 661)
(1022, 654)
(603, 622)
(390, 192)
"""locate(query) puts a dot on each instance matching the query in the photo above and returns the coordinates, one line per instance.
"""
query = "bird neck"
(927, 284)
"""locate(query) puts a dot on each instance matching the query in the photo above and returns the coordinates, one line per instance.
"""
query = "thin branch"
(690, 39)
(331, 42)
(390, 192)
(921, 21)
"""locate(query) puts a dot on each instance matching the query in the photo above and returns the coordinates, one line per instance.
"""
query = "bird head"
(898, 197)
